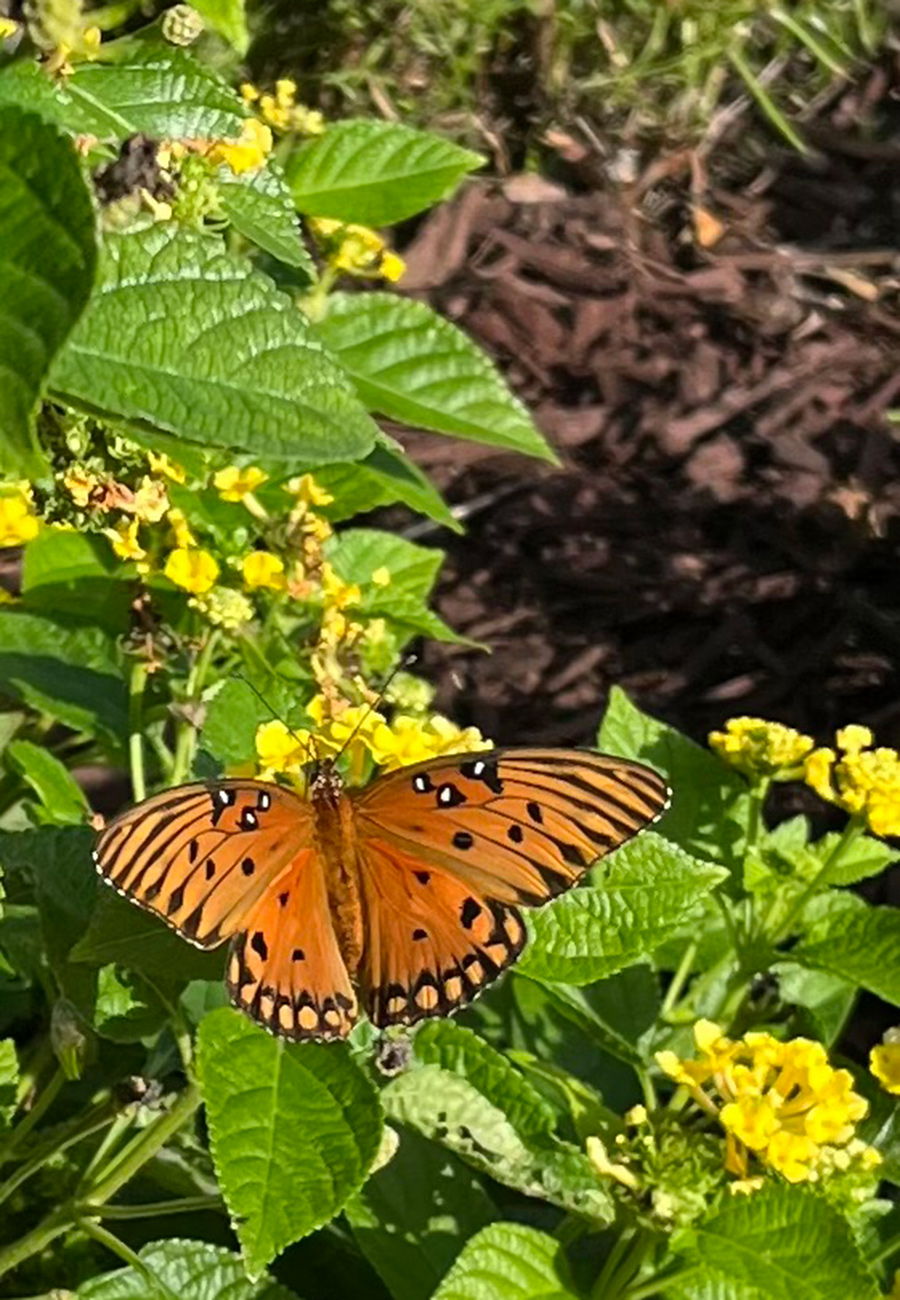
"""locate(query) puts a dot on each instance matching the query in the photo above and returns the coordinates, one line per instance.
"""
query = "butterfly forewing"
(447, 847)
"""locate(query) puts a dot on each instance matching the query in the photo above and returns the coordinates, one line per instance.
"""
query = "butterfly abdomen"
(336, 842)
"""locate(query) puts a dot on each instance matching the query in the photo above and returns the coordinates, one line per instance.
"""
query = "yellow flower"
(392, 267)
(281, 749)
(224, 607)
(337, 593)
(865, 782)
(18, 522)
(249, 92)
(160, 464)
(759, 748)
(7, 28)
(410, 740)
(124, 538)
(308, 121)
(305, 488)
(184, 538)
(233, 484)
(192, 569)
(150, 501)
(80, 483)
(248, 151)
(263, 569)
(382, 577)
(884, 1062)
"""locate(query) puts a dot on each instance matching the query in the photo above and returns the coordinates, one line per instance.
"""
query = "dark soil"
(713, 351)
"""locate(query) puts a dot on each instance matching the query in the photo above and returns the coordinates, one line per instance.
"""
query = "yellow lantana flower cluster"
(18, 521)
(884, 1062)
(248, 152)
(762, 749)
(865, 782)
(357, 250)
(281, 110)
(780, 1102)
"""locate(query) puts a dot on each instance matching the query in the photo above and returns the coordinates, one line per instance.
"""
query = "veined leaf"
(184, 336)
(67, 572)
(410, 364)
(860, 944)
(383, 477)
(60, 795)
(639, 895)
(48, 257)
(260, 206)
(191, 1270)
(294, 1129)
(508, 1261)
(375, 173)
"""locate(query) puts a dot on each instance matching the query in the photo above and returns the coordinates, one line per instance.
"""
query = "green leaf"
(235, 713)
(781, 1243)
(191, 1270)
(709, 800)
(375, 173)
(508, 1261)
(184, 336)
(9, 1078)
(120, 933)
(460, 1051)
(48, 255)
(358, 553)
(128, 1008)
(60, 795)
(227, 17)
(67, 572)
(863, 858)
(826, 999)
(261, 207)
(410, 364)
(642, 892)
(383, 477)
(413, 1213)
(448, 1108)
(860, 944)
(26, 84)
(65, 668)
(293, 1130)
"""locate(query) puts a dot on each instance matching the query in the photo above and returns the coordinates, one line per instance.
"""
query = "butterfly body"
(404, 895)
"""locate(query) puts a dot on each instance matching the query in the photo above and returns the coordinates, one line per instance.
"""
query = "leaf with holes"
(293, 1128)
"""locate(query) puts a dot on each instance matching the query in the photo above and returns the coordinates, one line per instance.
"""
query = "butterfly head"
(325, 783)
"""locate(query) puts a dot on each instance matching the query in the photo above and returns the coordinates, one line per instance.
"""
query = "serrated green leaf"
(383, 477)
(9, 1078)
(62, 799)
(26, 84)
(260, 206)
(708, 812)
(865, 857)
(508, 1261)
(48, 256)
(185, 336)
(65, 668)
(410, 364)
(119, 933)
(191, 1270)
(641, 893)
(781, 1243)
(858, 944)
(448, 1108)
(235, 712)
(375, 173)
(412, 1215)
(127, 1008)
(460, 1051)
(294, 1129)
(227, 17)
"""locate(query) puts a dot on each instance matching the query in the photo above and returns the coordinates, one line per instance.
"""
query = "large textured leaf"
(640, 895)
(782, 1243)
(191, 1270)
(293, 1130)
(186, 337)
(412, 1216)
(48, 260)
(709, 800)
(260, 205)
(412, 365)
(860, 944)
(508, 1261)
(448, 1108)
(376, 173)
(26, 84)
(64, 668)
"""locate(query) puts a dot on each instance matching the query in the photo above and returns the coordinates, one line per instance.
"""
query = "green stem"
(187, 732)
(125, 1253)
(313, 304)
(50, 1151)
(143, 1148)
(619, 1249)
(34, 1242)
(113, 15)
(764, 100)
(758, 793)
(654, 1286)
(136, 687)
(679, 979)
(43, 1103)
(150, 1209)
(851, 832)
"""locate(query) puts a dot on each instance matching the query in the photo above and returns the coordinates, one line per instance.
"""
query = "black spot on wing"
(259, 945)
(469, 913)
(449, 795)
(463, 840)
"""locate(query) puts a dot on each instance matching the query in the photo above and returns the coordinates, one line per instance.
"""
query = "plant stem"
(187, 732)
(41, 1157)
(758, 794)
(43, 1103)
(764, 100)
(679, 979)
(654, 1286)
(34, 1242)
(149, 1209)
(620, 1248)
(125, 1253)
(143, 1148)
(851, 832)
(135, 729)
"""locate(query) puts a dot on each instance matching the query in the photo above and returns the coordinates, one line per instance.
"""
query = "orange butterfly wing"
(447, 848)
(235, 859)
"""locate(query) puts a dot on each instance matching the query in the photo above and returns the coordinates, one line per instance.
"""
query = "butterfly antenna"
(405, 662)
(304, 744)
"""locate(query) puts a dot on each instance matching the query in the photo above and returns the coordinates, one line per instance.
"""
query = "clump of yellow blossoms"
(884, 1062)
(248, 152)
(18, 521)
(224, 607)
(281, 110)
(357, 250)
(865, 782)
(234, 484)
(761, 749)
(780, 1102)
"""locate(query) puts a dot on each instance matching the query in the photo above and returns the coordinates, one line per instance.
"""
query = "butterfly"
(402, 896)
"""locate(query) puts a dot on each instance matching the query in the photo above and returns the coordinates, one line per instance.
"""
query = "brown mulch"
(714, 355)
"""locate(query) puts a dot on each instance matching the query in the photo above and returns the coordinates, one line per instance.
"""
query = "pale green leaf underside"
(192, 1270)
(185, 337)
(506, 1261)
